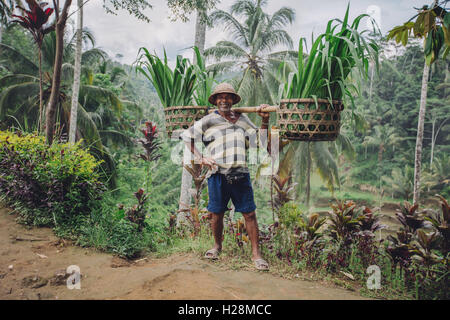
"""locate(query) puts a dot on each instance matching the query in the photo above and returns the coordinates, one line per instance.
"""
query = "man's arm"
(265, 123)
(199, 157)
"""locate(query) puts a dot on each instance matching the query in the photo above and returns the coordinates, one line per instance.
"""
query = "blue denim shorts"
(220, 193)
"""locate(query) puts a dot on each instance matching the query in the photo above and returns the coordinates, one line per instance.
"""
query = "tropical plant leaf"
(18, 63)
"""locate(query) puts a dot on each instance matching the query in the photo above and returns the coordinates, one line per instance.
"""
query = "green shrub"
(290, 215)
(126, 240)
(54, 185)
(108, 230)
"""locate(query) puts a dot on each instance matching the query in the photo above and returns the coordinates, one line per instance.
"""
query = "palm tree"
(382, 137)
(180, 9)
(321, 157)
(401, 182)
(98, 108)
(77, 75)
(52, 106)
(251, 46)
(438, 177)
(429, 25)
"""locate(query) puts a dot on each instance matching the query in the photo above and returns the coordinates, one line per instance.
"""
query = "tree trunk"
(419, 140)
(433, 139)
(41, 92)
(200, 33)
(77, 75)
(56, 83)
(308, 175)
(186, 178)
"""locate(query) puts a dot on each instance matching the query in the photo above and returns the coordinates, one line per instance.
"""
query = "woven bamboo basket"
(182, 117)
(304, 120)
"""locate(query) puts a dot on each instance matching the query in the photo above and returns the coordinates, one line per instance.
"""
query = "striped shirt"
(225, 142)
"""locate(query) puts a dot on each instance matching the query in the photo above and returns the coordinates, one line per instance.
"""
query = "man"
(225, 135)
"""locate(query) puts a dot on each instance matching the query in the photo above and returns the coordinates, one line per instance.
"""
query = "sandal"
(212, 254)
(261, 264)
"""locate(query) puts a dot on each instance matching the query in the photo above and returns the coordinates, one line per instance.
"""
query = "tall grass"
(174, 88)
(205, 81)
(333, 56)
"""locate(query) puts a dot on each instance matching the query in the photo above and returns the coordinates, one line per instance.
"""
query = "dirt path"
(32, 258)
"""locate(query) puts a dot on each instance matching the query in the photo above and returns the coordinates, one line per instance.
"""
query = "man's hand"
(209, 162)
(264, 115)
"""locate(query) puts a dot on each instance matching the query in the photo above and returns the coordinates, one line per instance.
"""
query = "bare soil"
(33, 263)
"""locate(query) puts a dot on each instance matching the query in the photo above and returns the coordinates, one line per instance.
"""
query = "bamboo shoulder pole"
(251, 109)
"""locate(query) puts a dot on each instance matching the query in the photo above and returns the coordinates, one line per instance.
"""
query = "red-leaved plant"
(150, 142)
(136, 213)
(34, 21)
(151, 145)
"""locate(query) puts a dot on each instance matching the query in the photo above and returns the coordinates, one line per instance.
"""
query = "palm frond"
(325, 164)
(237, 30)
(93, 55)
(345, 146)
(282, 17)
(101, 94)
(13, 79)
(17, 62)
(225, 49)
(13, 95)
(221, 66)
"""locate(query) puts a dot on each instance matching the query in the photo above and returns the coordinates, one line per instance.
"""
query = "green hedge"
(53, 185)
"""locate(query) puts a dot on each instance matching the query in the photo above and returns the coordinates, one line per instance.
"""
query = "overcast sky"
(124, 34)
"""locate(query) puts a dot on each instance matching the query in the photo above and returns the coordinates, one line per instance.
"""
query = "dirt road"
(33, 261)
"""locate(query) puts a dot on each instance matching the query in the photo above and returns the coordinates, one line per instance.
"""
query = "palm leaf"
(13, 95)
(101, 94)
(18, 63)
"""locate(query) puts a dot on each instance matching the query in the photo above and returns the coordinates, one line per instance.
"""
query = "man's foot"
(261, 264)
(212, 254)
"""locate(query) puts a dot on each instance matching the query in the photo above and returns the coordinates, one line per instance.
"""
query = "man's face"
(224, 101)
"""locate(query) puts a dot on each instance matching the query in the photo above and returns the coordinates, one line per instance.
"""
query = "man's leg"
(217, 229)
(251, 224)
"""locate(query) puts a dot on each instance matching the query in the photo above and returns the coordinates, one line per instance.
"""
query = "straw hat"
(224, 88)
